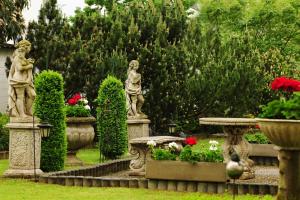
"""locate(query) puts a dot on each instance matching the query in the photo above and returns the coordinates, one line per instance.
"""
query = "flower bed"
(177, 163)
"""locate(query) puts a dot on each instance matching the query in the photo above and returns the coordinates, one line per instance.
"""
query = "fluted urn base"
(80, 133)
(286, 135)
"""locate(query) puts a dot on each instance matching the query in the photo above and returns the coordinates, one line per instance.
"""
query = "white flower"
(213, 142)
(213, 148)
(151, 143)
(87, 107)
(173, 145)
(85, 101)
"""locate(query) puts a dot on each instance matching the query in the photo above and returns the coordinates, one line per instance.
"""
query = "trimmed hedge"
(49, 106)
(4, 133)
(111, 118)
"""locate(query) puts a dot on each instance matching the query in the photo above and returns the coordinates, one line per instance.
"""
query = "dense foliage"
(4, 133)
(218, 64)
(257, 138)
(11, 19)
(111, 118)
(49, 106)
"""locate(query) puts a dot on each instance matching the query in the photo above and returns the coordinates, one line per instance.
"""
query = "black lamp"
(172, 127)
(45, 128)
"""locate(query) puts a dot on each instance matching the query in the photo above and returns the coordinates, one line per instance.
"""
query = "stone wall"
(4, 52)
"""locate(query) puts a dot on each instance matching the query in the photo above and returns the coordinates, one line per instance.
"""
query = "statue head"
(24, 45)
(134, 64)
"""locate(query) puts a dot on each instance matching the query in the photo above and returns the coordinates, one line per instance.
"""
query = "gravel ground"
(264, 175)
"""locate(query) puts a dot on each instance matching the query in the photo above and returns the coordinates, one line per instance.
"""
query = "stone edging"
(265, 160)
(89, 177)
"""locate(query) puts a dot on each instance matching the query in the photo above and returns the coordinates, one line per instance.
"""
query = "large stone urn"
(286, 135)
(80, 133)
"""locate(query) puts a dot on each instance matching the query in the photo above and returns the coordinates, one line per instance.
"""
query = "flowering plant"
(77, 106)
(174, 152)
(287, 107)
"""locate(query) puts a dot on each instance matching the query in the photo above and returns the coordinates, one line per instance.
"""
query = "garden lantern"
(172, 127)
(45, 128)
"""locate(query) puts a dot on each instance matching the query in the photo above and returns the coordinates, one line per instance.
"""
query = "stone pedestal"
(289, 170)
(23, 137)
(137, 128)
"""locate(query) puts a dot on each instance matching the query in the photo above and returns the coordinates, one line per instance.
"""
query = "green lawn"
(18, 189)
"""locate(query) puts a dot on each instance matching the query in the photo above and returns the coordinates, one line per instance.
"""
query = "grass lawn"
(18, 189)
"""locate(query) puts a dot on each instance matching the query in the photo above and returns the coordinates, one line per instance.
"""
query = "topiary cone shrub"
(111, 118)
(49, 106)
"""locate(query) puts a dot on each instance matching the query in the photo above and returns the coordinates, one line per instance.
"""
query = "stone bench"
(140, 149)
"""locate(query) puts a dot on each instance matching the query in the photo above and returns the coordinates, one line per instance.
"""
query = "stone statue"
(21, 90)
(133, 88)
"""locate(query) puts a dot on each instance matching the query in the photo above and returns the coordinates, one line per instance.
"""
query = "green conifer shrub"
(49, 106)
(111, 118)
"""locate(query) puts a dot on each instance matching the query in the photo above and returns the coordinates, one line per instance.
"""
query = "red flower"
(257, 126)
(285, 84)
(72, 101)
(76, 96)
(190, 141)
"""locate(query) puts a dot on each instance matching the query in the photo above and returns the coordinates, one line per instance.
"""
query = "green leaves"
(49, 106)
(111, 118)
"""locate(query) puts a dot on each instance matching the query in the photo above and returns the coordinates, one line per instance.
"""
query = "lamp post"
(45, 128)
(172, 128)
(44, 131)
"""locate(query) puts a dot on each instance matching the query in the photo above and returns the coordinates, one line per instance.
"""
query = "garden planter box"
(179, 170)
(266, 150)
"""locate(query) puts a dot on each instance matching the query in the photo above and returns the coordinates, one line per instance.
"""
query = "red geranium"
(285, 84)
(190, 141)
(74, 99)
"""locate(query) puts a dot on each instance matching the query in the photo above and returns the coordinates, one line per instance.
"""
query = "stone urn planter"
(285, 134)
(80, 133)
(180, 170)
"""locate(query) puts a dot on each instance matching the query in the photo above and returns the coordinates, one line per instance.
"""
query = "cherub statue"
(133, 88)
(21, 90)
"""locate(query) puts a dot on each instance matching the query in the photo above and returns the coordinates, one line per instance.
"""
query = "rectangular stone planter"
(266, 150)
(179, 170)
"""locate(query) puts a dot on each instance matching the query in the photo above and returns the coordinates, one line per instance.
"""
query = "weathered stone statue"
(21, 90)
(133, 88)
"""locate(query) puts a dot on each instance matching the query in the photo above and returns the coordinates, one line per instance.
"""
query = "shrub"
(111, 118)
(4, 133)
(257, 138)
(49, 106)
(77, 106)
(187, 154)
(163, 154)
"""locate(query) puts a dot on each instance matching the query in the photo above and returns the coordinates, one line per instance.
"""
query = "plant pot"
(263, 150)
(283, 133)
(180, 170)
(80, 133)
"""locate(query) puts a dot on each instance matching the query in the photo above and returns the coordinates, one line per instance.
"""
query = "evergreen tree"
(11, 19)
(50, 38)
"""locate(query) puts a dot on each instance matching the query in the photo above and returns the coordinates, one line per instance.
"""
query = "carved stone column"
(24, 148)
(289, 170)
(236, 142)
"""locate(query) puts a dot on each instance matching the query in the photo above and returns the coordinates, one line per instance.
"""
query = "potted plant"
(280, 121)
(174, 163)
(80, 130)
